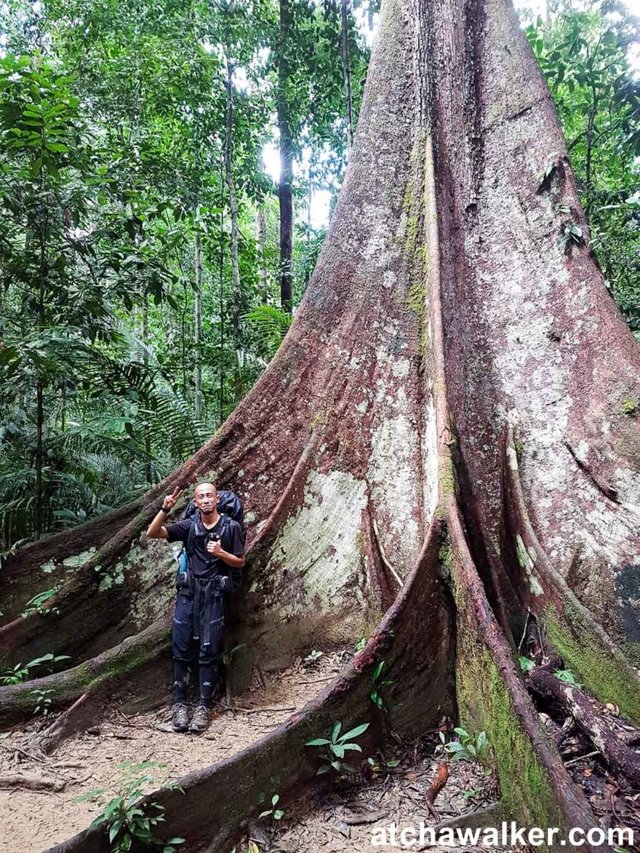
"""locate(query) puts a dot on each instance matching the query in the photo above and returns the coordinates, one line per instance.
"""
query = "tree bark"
(285, 183)
(451, 393)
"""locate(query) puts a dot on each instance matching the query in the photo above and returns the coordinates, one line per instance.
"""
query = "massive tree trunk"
(439, 449)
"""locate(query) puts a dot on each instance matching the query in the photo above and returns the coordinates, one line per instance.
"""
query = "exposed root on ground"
(592, 721)
(17, 701)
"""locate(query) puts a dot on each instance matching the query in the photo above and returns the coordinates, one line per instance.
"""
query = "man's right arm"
(156, 529)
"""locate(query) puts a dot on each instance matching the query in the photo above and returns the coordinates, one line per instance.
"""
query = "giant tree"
(445, 448)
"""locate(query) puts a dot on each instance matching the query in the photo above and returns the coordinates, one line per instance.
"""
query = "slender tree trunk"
(221, 297)
(233, 211)
(40, 383)
(183, 340)
(63, 411)
(588, 189)
(39, 458)
(148, 449)
(346, 68)
(310, 184)
(197, 319)
(370, 14)
(261, 233)
(285, 184)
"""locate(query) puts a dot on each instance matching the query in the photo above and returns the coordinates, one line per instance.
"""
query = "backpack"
(229, 508)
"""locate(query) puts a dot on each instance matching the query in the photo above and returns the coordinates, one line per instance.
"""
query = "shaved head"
(205, 497)
(204, 487)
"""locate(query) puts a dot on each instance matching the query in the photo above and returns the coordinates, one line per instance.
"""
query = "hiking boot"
(200, 720)
(180, 717)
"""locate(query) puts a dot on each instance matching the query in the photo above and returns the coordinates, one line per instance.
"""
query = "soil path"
(33, 821)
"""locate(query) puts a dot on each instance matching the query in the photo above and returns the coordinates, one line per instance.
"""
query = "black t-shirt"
(201, 563)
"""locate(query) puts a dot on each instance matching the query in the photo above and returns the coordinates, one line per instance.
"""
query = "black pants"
(201, 635)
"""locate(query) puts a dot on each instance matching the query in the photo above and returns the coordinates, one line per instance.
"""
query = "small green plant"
(50, 660)
(469, 793)
(312, 659)
(124, 818)
(275, 813)
(629, 406)
(227, 656)
(572, 235)
(567, 676)
(16, 675)
(36, 604)
(362, 642)
(526, 664)
(334, 747)
(381, 764)
(43, 701)
(378, 683)
(466, 748)
(20, 672)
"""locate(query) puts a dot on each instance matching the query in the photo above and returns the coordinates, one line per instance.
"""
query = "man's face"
(206, 497)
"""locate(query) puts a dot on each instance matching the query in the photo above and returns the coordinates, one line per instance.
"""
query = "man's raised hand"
(170, 500)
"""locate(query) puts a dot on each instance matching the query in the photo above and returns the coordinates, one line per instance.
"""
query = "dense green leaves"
(112, 122)
(584, 54)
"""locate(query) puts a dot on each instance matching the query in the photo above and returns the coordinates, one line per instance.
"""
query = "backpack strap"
(226, 524)
(190, 545)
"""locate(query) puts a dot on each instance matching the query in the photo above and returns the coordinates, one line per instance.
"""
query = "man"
(215, 555)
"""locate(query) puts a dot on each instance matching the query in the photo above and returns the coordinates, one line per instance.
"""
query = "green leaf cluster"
(334, 748)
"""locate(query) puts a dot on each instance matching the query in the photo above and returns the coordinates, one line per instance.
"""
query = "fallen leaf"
(344, 829)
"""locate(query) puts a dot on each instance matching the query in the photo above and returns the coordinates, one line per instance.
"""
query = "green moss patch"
(607, 676)
(485, 705)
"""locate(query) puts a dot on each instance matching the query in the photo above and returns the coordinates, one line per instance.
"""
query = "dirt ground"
(346, 815)
(32, 821)
(350, 817)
